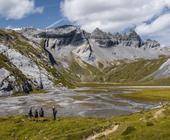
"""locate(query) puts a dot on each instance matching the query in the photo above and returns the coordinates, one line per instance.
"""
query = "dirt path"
(159, 113)
(104, 133)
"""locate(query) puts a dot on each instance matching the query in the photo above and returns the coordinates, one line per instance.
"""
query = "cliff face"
(22, 61)
(109, 40)
(98, 46)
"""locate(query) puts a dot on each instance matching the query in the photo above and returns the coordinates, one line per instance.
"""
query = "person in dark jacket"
(41, 112)
(30, 114)
(36, 113)
(54, 113)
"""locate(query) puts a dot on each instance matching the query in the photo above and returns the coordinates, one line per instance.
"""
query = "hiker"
(54, 113)
(30, 114)
(41, 112)
(36, 113)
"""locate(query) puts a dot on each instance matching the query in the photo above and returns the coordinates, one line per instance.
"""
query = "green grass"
(65, 128)
(143, 126)
(82, 74)
(61, 77)
(133, 71)
(158, 82)
(138, 126)
(148, 95)
(35, 91)
(82, 71)
(99, 84)
(125, 73)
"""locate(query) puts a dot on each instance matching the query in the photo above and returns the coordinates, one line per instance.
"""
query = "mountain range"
(68, 55)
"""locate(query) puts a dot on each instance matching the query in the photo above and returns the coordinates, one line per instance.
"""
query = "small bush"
(149, 124)
(129, 130)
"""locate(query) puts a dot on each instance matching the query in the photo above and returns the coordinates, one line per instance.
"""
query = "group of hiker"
(40, 113)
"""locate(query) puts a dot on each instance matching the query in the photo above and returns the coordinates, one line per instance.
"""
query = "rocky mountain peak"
(106, 40)
(133, 35)
(134, 39)
(97, 33)
(103, 39)
(62, 31)
(72, 35)
(151, 43)
(65, 29)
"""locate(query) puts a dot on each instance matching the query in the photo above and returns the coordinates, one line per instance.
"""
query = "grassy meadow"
(152, 124)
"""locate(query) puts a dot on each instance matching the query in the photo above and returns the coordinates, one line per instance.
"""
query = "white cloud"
(160, 24)
(17, 9)
(116, 15)
(158, 29)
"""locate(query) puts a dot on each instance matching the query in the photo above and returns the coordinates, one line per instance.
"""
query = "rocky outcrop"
(131, 39)
(63, 36)
(7, 82)
(37, 74)
(106, 40)
(50, 56)
(5, 37)
(103, 39)
(151, 44)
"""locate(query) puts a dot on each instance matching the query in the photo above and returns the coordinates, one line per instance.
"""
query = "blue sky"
(150, 18)
(50, 14)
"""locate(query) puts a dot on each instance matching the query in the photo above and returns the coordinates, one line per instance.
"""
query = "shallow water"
(73, 103)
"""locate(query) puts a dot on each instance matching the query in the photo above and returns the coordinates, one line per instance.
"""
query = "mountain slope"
(23, 60)
(104, 57)
(68, 55)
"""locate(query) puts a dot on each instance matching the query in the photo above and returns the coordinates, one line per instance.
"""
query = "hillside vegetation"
(124, 72)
